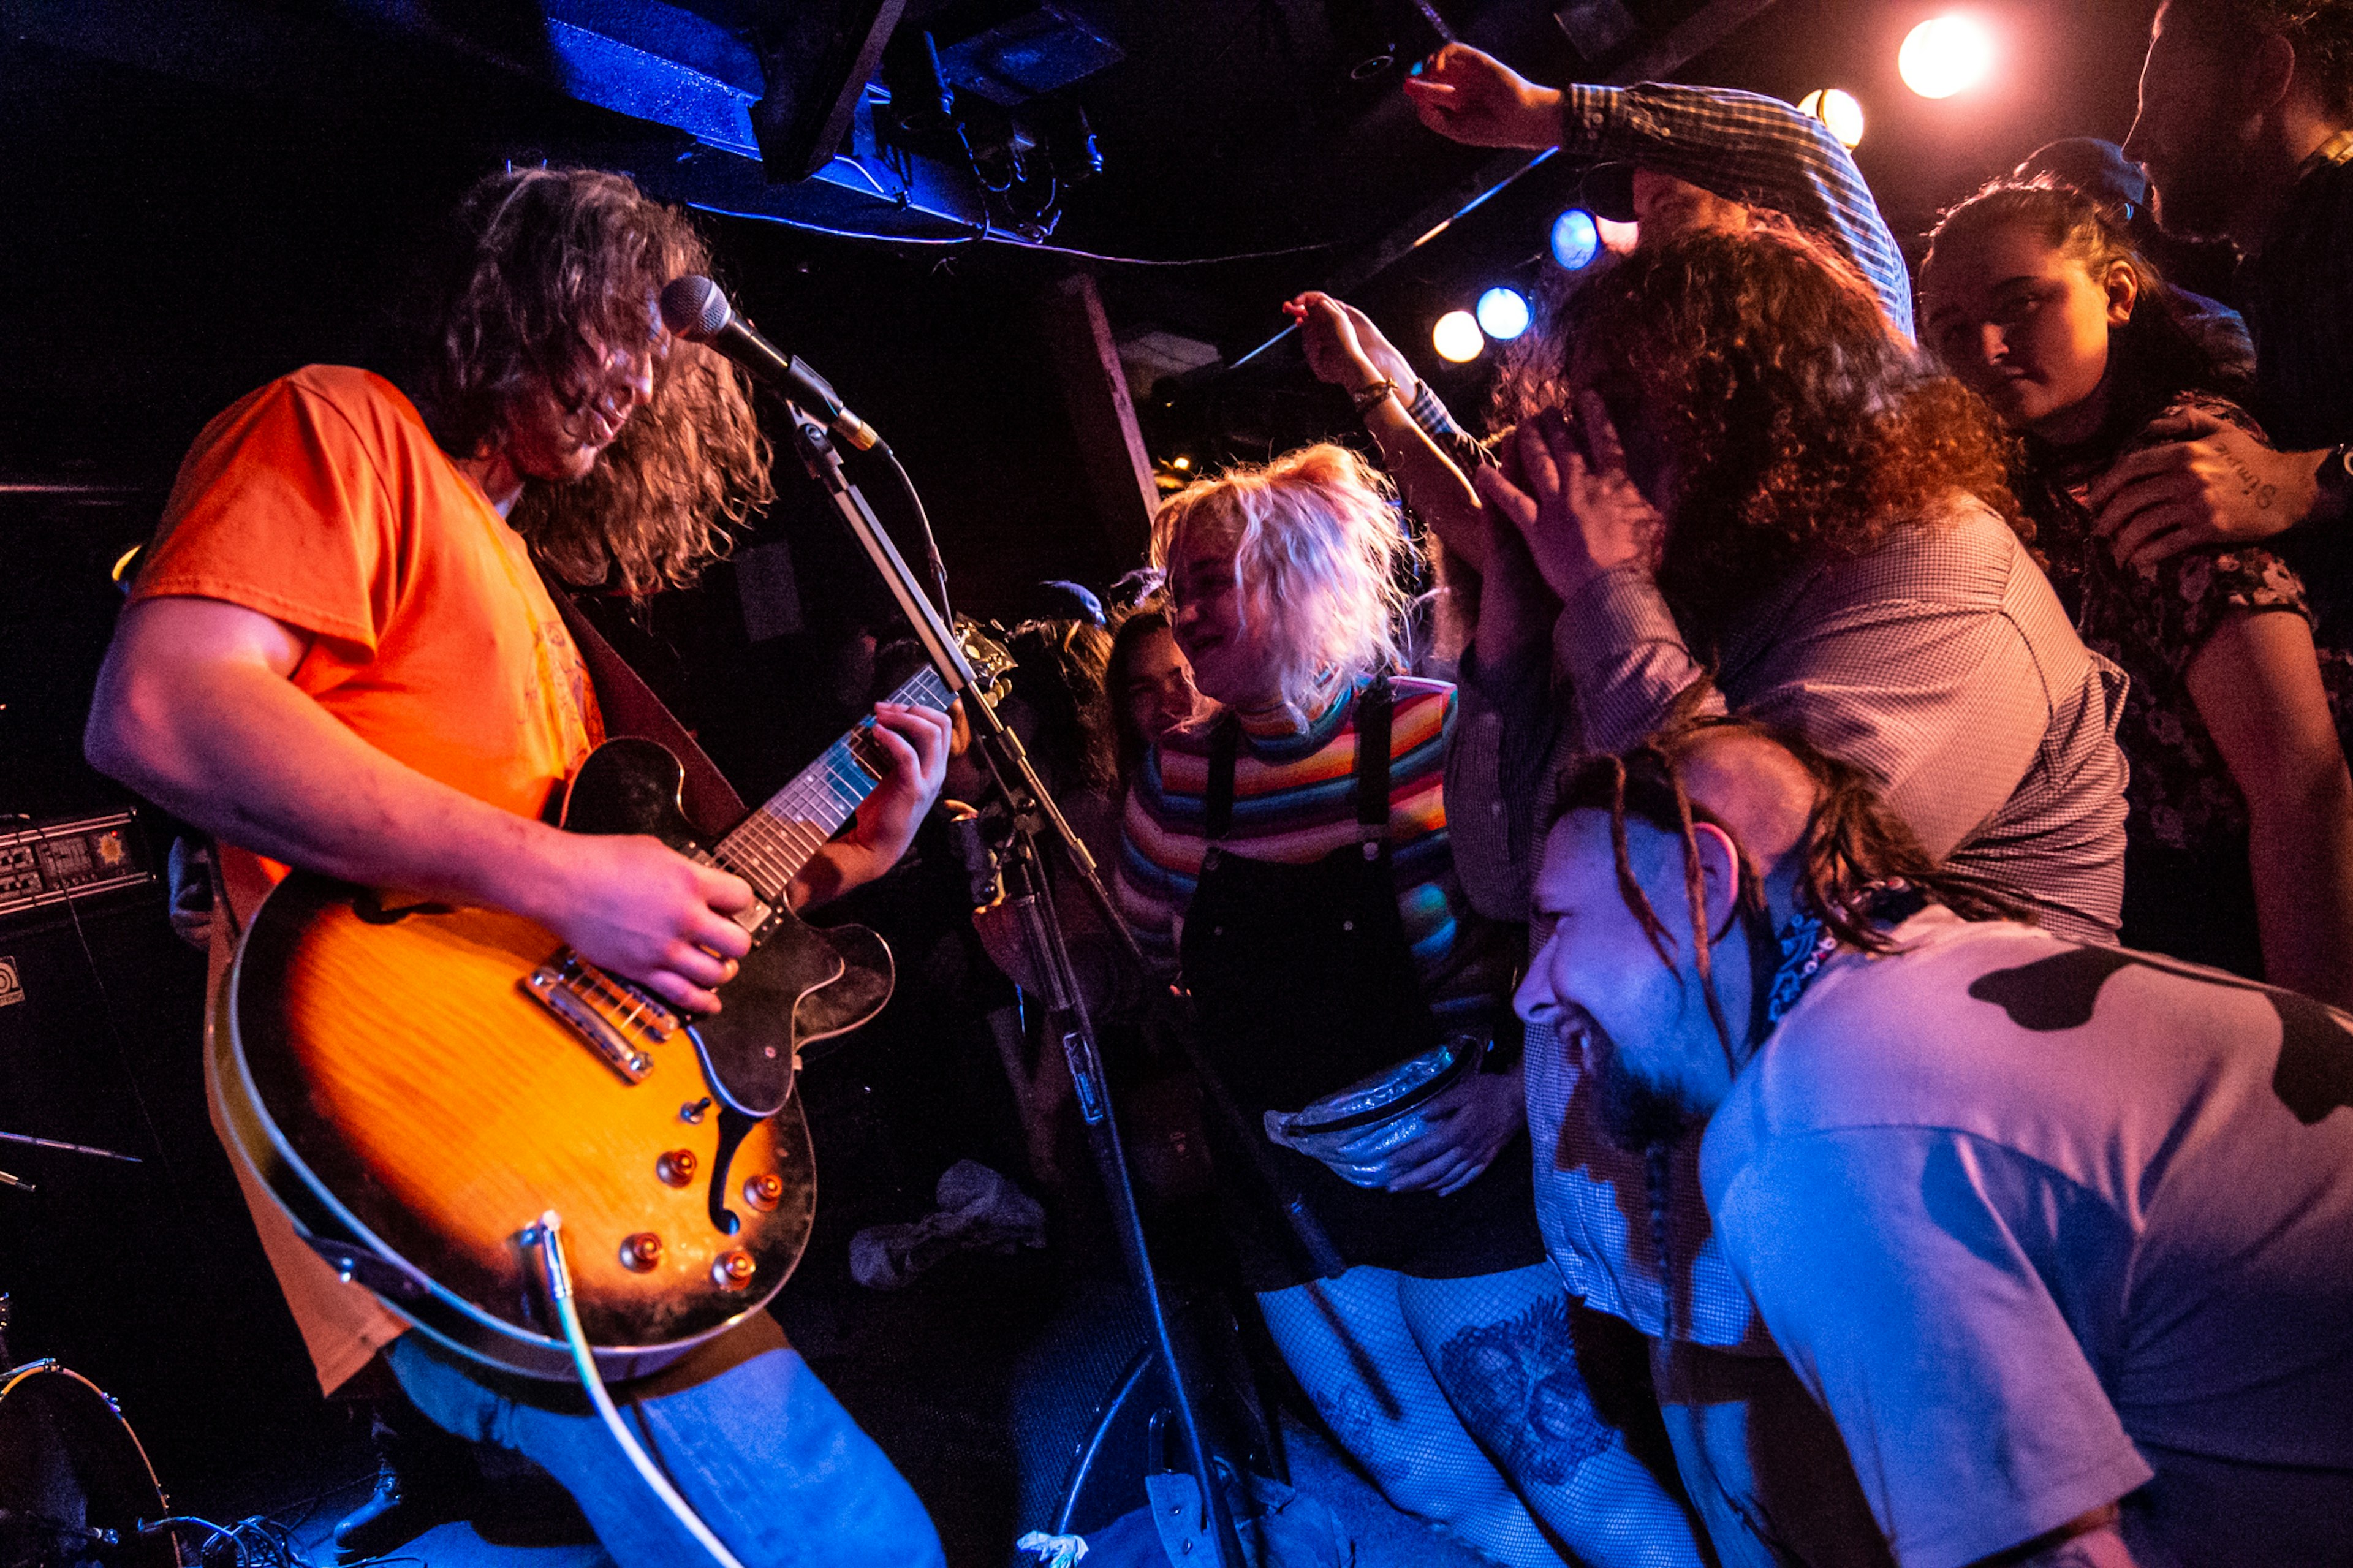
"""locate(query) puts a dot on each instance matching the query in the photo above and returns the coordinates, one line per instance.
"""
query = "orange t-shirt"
(321, 501)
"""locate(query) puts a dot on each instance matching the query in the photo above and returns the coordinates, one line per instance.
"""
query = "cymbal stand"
(1042, 821)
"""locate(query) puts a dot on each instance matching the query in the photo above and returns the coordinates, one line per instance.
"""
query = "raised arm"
(1741, 144)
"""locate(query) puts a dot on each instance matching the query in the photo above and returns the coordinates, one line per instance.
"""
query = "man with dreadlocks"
(340, 655)
(2055, 1233)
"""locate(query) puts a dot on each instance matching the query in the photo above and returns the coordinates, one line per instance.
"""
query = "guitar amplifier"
(68, 858)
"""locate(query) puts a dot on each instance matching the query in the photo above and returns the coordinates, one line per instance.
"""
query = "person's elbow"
(126, 723)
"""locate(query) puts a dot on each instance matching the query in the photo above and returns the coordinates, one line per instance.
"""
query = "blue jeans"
(763, 1451)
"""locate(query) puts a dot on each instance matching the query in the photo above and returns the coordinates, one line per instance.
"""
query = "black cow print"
(2315, 1075)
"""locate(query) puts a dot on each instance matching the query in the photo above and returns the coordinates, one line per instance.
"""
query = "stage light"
(1618, 238)
(1503, 313)
(1576, 239)
(1945, 55)
(1182, 462)
(1457, 337)
(1837, 109)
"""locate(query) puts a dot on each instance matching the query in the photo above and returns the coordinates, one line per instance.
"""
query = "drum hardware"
(75, 1485)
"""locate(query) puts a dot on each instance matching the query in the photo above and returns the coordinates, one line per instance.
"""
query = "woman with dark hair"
(1149, 682)
(1753, 472)
(2239, 847)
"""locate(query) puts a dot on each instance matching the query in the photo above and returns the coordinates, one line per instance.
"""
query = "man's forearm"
(240, 753)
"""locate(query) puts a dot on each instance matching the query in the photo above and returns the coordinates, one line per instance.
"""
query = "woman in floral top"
(2240, 842)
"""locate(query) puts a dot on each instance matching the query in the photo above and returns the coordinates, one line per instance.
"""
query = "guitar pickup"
(615, 1021)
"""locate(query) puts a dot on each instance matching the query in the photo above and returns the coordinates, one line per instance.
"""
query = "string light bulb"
(1945, 55)
(1503, 313)
(1838, 109)
(1576, 239)
(1457, 338)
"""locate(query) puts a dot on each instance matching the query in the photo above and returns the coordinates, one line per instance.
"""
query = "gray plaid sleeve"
(1750, 147)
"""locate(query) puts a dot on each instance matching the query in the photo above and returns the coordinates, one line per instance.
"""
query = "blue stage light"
(1503, 313)
(1576, 239)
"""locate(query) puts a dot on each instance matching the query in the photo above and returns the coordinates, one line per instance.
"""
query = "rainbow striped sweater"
(1294, 805)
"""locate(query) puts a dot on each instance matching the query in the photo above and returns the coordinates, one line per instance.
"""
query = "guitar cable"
(549, 1237)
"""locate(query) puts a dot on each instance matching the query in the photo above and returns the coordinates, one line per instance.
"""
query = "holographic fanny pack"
(1354, 1130)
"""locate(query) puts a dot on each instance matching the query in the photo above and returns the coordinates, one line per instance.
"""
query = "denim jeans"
(763, 1451)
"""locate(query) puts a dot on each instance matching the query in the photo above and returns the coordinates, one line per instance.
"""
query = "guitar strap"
(630, 708)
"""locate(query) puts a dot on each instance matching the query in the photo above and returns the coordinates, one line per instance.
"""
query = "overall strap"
(1218, 802)
(1374, 711)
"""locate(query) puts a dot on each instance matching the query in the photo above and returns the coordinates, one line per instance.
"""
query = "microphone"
(697, 310)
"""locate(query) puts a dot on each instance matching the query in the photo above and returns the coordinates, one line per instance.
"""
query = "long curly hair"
(1320, 556)
(539, 272)
(1796, 424)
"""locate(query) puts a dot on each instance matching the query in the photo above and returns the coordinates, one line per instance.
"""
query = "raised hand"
(2212, 483)
(1469, 95)
(1580, 516)
(1344, 348)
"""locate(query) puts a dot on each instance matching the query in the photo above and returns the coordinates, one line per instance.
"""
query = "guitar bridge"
(615, 1021)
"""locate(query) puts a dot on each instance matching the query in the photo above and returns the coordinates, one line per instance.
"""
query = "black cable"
(932, 560)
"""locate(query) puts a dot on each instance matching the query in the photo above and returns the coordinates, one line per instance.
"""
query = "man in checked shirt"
(1910, 633)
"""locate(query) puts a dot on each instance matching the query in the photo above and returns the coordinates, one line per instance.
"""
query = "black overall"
(1304, 983)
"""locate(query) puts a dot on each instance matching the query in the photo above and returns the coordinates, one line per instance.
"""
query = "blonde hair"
(1321, 555)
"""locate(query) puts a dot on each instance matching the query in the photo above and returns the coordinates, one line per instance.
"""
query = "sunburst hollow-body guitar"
(417, 1083)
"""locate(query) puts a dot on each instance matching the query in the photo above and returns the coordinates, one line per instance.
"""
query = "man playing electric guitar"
(338, 656)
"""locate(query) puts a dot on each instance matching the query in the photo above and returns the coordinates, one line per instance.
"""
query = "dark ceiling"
(196, 195)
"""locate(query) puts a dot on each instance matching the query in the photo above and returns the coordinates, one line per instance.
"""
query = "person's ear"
(2270, 74)
(1719, 865)
(2123, 284)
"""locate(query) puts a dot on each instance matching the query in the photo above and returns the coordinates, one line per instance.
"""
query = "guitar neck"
(769, 848)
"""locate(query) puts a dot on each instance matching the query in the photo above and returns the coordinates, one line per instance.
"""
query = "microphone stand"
(1038, 819)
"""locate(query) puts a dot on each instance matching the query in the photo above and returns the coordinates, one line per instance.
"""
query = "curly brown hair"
(539, 271)
(1798, 426)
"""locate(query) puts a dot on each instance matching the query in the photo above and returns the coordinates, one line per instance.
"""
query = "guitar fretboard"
(769, 848)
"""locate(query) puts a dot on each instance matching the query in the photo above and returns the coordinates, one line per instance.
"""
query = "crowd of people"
(1778, 926)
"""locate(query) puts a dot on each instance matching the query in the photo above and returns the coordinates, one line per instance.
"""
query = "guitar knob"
(734, 1270)
(763, 1191)
(676, 1168)
(641, 1252)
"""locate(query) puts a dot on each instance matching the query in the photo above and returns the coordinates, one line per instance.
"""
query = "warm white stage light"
(1503, 313)
(1457, 337)
(1837, 109)
(1945, 55)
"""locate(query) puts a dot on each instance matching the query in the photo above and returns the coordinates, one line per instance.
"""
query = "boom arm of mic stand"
(1034, 807)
